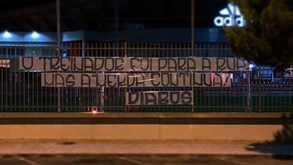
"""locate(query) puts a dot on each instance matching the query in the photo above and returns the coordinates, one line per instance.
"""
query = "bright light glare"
(95, 110)
(6, 34)
(35, 34)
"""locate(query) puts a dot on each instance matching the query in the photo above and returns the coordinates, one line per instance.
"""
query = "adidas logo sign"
(230, 16)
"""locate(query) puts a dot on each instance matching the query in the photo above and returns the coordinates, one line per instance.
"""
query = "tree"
(267, 37)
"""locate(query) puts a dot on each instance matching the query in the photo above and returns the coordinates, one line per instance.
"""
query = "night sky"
(101, 14)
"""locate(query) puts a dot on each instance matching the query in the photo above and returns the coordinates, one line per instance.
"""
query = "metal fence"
(21, 91)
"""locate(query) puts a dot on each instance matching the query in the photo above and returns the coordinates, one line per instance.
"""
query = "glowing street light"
(35, 35)
(6, 34)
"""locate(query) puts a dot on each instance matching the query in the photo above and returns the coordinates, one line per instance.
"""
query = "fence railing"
(22, 91)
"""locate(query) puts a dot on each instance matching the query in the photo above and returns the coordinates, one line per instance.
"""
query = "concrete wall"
(142, 132)
(141, 126)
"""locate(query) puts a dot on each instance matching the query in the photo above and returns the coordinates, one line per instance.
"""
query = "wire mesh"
(21, 91)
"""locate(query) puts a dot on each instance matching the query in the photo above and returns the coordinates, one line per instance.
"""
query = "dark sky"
(100, 14)
(16, 4)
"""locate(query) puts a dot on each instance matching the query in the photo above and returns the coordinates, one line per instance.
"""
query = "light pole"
(192, 26)
(192, 40)
(58, 49)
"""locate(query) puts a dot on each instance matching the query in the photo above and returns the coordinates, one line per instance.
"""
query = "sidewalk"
(141, 147)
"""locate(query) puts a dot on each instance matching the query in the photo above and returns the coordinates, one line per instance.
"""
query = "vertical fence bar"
(193, 55)
(259, 89)
(248, 90)
(125, 88)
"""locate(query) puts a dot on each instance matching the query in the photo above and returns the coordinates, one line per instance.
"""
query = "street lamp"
(192, 26)
(58, 49)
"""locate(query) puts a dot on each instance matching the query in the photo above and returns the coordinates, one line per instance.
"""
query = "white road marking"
(133, 161)
(27, 161)
(236, 161)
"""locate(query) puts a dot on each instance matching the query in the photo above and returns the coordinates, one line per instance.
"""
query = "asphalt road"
(139, 159)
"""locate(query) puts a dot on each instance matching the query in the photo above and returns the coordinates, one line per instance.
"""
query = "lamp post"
(192, 27)
(192, 40)
(58, 26)
(58, 49)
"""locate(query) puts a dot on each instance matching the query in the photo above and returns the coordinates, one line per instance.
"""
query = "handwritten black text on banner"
(159, 79)
(117, 64)
(159, 98)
